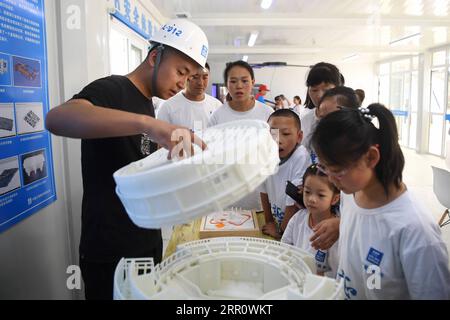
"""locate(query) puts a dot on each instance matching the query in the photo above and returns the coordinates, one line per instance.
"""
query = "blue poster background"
(26, 168)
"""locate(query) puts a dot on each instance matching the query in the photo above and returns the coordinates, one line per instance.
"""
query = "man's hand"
(270, 229)
(178, 140)
(325, 234)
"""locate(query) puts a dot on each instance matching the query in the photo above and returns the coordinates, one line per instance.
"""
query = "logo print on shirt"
(374, 256)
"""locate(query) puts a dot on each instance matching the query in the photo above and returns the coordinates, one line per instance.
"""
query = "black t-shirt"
(107, 232)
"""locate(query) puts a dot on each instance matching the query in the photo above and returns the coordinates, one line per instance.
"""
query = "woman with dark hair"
(322, 77)
(240, 79)
(390, 248)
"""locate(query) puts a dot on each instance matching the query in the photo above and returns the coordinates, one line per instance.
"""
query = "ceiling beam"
(268, 21)
(276, 50)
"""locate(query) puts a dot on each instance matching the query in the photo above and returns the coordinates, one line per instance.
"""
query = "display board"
(229, 223)
(26, 169)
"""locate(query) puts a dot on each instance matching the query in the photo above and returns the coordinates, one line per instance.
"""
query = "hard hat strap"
(159, 49)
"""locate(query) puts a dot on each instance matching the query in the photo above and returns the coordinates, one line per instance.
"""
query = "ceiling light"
(406, 38)
(252, 39)
(245, 58)
(265, 4)
(353, 56)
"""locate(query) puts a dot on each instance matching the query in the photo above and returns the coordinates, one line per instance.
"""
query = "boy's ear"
(299, 136)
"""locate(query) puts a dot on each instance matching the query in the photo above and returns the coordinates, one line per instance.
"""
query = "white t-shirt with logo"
(298, 232)
(226, 114)
(275, 185)
(181, 111)
(400, 243)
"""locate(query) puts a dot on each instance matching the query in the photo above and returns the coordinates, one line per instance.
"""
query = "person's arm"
(326, 233)
(79, 118)
(288, 214)
(270, 228)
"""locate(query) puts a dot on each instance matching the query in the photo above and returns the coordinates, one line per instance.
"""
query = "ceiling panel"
(304, 29)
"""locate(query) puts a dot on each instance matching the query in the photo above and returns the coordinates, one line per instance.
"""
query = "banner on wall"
(26, 168)
(134, 16)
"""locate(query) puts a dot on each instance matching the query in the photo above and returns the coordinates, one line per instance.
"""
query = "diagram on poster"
(9, 175)
(5, 70)
(27, 72)
(233, 222)
(34, 166)
(30, 117)
(7, 124)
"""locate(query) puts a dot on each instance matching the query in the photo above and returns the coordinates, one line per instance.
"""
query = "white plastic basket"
(226, 268)
(156, 192)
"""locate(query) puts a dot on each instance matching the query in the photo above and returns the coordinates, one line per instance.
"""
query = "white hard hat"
(186, 37)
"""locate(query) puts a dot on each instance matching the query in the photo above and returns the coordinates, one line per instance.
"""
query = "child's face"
(356, 176)
(327, 106)
(317, 195)
(316, 92)
(240, 84)
(286, 133)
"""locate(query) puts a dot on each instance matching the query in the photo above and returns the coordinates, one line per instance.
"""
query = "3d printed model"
(226, 268)
(6, 124)
(33, 164)
(26, 71)
(32, 118)
(6, 176)
(156, 192)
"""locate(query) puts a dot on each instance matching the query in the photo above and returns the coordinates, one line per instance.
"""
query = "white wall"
(290, 81)
(35, 253)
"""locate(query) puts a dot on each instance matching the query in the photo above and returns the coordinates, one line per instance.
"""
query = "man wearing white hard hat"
(114, 117)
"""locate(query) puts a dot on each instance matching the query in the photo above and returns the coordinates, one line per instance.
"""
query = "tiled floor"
(418, 176)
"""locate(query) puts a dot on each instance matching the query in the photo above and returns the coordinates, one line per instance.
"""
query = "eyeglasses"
(337, 175)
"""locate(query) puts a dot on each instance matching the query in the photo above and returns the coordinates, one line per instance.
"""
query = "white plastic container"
(157, 192)
(226, 268)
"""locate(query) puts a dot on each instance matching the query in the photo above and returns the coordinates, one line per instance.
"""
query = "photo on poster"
(5, 70)
(30, 117)
(9, 175)
(34, 166)
(7, 123)
(27, 72)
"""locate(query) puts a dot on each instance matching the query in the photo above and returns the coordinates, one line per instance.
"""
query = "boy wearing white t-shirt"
(294, 160)
(192, 107)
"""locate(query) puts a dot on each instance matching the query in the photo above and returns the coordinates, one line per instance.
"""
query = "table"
(190, 232)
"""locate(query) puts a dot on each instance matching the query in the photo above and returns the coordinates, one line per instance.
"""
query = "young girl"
(322, 77)
(239, 78)
(389, 246)
(319, 197)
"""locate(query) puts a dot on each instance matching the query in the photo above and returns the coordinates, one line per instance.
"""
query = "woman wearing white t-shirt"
(239, 78)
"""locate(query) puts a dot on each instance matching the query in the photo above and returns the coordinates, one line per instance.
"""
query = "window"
(127, 48)
(439, 120)
(398, 90)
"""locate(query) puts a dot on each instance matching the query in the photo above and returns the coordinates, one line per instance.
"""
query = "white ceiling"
(305, 31)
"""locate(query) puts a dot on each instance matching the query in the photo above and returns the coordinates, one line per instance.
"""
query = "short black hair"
(288, 114)
(207, 66)
(324, 72)
(345, 96)
(341, 138)
(239, 63)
